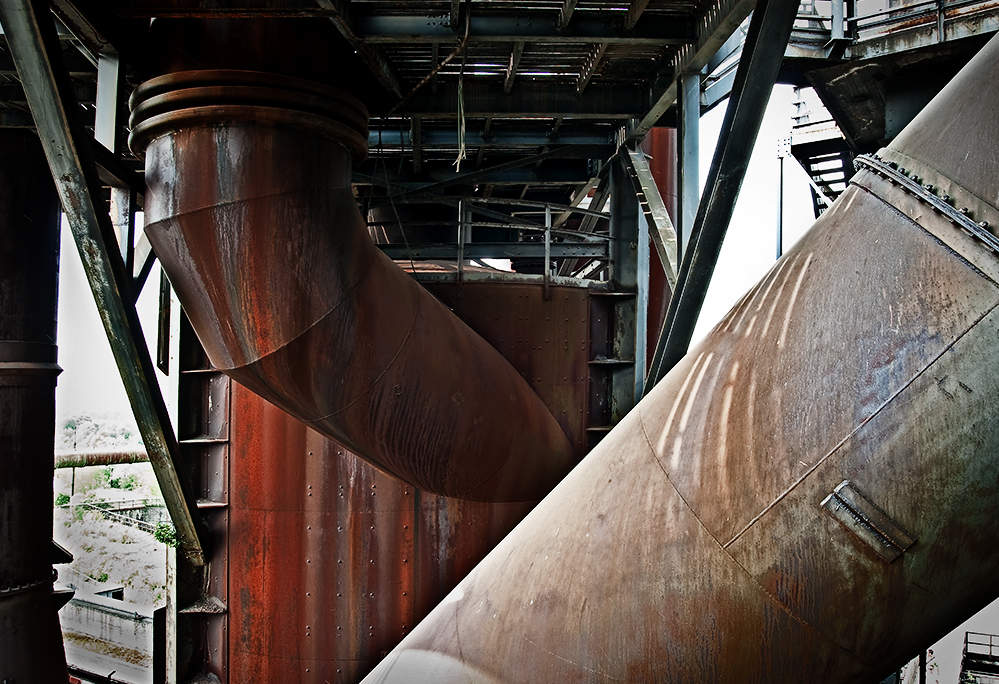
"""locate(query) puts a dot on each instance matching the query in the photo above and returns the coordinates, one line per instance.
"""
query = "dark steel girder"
(537, 98)
(769, 31)
(556, 172)
(486, 26)
(498, 250)
(373, 56)
(490, 28)
(446, 135)
(714, 29)
(487, 174)
(33, 42)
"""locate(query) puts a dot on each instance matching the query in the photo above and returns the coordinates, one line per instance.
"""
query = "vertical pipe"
(837, 19)
(780, 209)
(689, 151)
(462, 220)
(642, 304)
(30, 640)
(548, 252)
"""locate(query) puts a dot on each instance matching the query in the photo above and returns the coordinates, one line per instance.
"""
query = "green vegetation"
(62, 499)
(106, 478)
(165, 533)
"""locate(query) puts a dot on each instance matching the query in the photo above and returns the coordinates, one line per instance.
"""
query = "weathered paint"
(249, 210)
(331, 562)
(693, 544)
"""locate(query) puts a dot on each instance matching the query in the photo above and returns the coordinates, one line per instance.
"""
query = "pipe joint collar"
(221, 96)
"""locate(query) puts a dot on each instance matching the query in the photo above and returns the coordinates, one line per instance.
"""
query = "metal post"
(548, 252)
(769, 31)
(30, 639)
(462, 217)
(689, 105)
(629, 272)
(837, 20)
(624, 212)
(642, 304)
(780, 210)
(783, 149)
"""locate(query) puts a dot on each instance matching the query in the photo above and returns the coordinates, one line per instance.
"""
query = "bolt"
(965, 211)
(946, 198)
(984, 225)
(928, 188)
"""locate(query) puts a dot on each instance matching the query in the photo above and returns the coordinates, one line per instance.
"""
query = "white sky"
(90, 382)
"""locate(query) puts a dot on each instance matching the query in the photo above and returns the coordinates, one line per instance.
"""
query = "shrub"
(165, 533)
(62, 499)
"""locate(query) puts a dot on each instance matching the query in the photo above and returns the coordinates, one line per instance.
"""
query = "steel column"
(629, 272)
(32, 42)
(30, 640)
(689, 117)
(769, 31)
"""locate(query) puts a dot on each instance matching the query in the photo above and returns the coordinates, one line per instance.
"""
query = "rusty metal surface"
(332, 562)
(30, 640)
(261, 237)
(693, 545)
(547, 341)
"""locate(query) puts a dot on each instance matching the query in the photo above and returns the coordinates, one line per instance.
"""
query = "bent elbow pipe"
(249, 209)
(810, 494)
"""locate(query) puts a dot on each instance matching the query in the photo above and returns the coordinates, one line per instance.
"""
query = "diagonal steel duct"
(249, 209)
(810, 494)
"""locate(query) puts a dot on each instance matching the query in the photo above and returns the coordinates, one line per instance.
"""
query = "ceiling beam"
(511, 70)
(635, 10)
(565, 14)
(372, 55)
(435, 58)
(416, 137)
(714, 28)
(543, 99)
(554, 173)
(590, 66)
(489, 27)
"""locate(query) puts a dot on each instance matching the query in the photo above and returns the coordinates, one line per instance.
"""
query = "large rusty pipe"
(30, 639)
(810, 495)
(250, 211)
